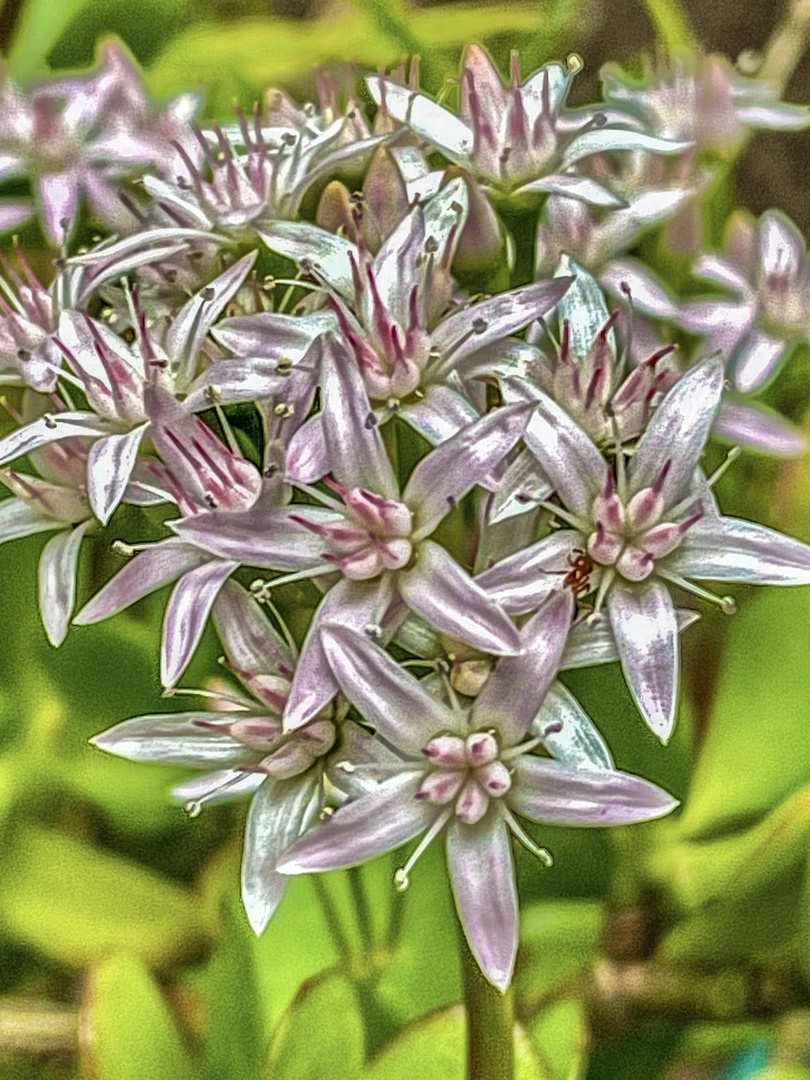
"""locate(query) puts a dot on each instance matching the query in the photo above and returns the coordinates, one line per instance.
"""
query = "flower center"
(469, 773)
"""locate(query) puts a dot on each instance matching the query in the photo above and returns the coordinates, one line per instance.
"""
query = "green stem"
(361, 907)
(490, 1022)
(332, 921)
(671, 24)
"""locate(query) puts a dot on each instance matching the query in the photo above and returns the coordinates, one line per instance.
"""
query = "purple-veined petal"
(602, 140)
(391, 699)
(186, 615)
(473, 328)
(48, 429)
(514, 692)
(151, 568)
(229, 381)
(424, 117)
(326, 255)
(448, 472)
(568, 732)
(355, 604)
(646, 632)
(271, 336)
(251, 642)
(756, 360)
(193, 321)
(545, 792)
(277, 816)
(19, 518)
(258, 537)
(567, 454)
(109, 467)
(57, 581)
(521, 582)
(178, 739)
(354, 445)
(58, 198)
(444, 594)
(731, 549)
(752, 424)
(583, 188)
(479, 858)
(373, 824)
(678, 432)
(594, 643)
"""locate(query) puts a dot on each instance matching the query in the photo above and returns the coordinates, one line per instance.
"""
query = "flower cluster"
(496, 481)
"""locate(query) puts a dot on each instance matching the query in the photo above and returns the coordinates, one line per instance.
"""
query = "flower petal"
(444, 594)
(424, 117)
(781, 246)
(572, 186)
(515, 690)
(646, 632)
(307, 453)
(594, 643)
(447, 473)
(186, 615)
(605, 139)
(363, 829)
(479, 858)
(277, 816)
(677, 432)
(731, 549)
(756, 360)
(57, 581)
(568, 733)
(251, 642)
(522, 486)
(753, 424)
(521, 582)
(271, 539)
(109, 468)
(177, 739)
(48, 429)
(20, 518)
(271, 336)
(392, 701)
(543, 791)
(327, 256)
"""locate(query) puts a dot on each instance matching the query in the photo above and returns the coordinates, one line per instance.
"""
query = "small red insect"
(578, 577)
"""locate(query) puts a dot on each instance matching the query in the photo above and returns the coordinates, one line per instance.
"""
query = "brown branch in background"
(37, 1030)
(9, 17)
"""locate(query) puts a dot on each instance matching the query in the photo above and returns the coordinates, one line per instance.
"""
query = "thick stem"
(490, 1022)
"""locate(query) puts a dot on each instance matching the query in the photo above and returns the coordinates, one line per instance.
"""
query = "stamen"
(727, 604)
(566, 515)
(730, 457)
(402, 876)
(542, 853)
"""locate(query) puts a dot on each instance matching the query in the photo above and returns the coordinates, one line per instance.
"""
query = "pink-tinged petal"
(480, 73)
(391, 699)
(424, 117)
(515, 690)
(307, 453)
(353, 442)
(646, 632)
(109, 468)
(723, 323)
(448, 472)
(594, 643)
(193, 321)
(444, 594)
(568, 733)
(57, 581)
(186, 615)
(473, 328)
(756, 360)
(19, 518)
(263, 538)
(721, 271)
(781, 247)
(323, 253)
(648, 293)
(440, 414)
(756, 426)
(583, 188)
(522, 486)
(58, 198)
(277, 817)
(272, 337)
(177, 739)
(149, 570)
(521, 582)
(353, 604)
(677, 433)
(479, 858)
(48, 429)
(230, 381)
(567, 454)
(373, 824)
(15, 212)
(545, 792)
(605, 139)
(249, 639)
(731, 549)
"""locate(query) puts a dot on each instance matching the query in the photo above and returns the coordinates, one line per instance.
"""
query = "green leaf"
(557, 940)
(78, 904)
(434, 1048)
(129, 1031)
(756, 751)
(561, 1035)
(320, 1035)
(41, 25)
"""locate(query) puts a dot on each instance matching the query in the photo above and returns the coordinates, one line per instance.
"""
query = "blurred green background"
(679, 950)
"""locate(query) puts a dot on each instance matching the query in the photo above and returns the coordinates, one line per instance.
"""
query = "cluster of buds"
(503, 483)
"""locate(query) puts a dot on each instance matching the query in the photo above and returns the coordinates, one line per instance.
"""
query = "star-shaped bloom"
(470, 772)
(641, 526)
(243, 742)
(518, 138)
(377, 537)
